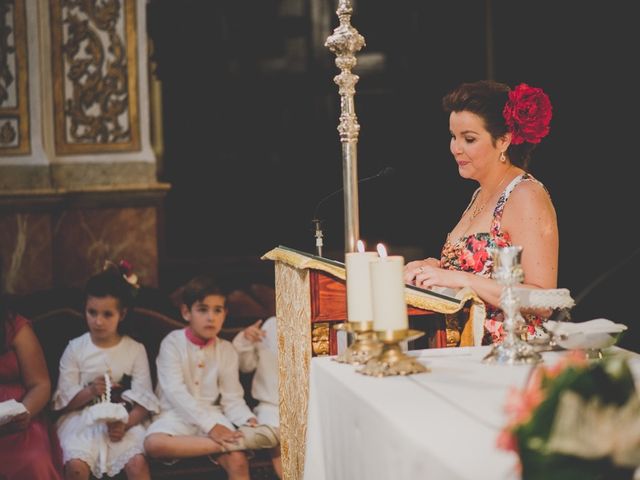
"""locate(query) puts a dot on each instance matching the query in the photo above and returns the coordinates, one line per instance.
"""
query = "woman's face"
(472, 145)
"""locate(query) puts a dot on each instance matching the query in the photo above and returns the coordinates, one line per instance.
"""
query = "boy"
(257, 347)
(200, 394)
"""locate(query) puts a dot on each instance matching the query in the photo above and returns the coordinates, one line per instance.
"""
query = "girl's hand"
(97, 386)
(254, 333)
(222, 435)
(116, 430)
(413, 269)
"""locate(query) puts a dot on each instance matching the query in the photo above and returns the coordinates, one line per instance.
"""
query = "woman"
(493, 131)
(28, 448)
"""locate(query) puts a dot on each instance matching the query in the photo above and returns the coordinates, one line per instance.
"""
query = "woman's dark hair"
(109, 283)
(6, 316)
(198, 288)
(487, 99)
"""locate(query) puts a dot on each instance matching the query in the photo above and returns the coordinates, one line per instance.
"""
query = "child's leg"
(276, 460)
(235, 464)
(162, 445)
(76, 469)
(137, 468)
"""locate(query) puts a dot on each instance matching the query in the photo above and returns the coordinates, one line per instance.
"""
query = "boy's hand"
(223, 436)
(98, 386)
(116, 431)
(252, 422)
(254, 333)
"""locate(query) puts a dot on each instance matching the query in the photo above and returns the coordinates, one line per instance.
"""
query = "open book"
(446, 301)
(437, 295)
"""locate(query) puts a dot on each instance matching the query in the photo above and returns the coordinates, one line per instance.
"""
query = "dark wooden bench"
(56, 326)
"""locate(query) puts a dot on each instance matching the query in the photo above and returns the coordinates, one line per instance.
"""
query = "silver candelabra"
(507, 270)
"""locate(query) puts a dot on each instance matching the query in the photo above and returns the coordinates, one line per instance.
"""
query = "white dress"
(198, 387)
(263, 358)
(82, 362)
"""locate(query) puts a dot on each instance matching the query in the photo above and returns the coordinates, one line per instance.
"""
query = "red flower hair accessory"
(124, 268)
(527, 114)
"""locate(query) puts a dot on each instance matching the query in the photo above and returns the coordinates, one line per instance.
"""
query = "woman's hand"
(430, 276)
(17, 424)
(413, 269)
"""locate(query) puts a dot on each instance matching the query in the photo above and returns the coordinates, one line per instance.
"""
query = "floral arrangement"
(527, 114)
(576, 420)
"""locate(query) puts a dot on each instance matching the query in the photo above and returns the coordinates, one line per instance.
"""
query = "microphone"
(385, 172)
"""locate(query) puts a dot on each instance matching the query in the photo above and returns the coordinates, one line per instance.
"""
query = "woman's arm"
(33, 369)
(530, 219)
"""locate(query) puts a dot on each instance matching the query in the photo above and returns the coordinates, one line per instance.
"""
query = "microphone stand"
(317, 222)
(318, 234)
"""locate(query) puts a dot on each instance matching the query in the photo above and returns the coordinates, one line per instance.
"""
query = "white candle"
(387, 291)
(359, 308)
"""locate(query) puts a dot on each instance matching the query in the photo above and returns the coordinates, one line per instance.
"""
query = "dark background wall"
(250, 116)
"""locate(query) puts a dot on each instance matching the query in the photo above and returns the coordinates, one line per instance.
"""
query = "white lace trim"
(118, 464)
(114, 467)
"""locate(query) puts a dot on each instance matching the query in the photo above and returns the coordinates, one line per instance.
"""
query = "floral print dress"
(470, 254)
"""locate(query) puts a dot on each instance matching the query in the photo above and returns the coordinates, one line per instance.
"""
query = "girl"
(98, 448)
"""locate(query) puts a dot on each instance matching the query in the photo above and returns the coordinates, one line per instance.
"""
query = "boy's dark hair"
(198, 288)
(109, 283)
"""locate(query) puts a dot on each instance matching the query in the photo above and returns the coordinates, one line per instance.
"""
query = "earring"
(503, 159)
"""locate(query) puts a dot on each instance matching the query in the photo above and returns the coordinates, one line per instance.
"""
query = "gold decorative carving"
(14, 105)
(293, 311)
(95, 76)
(8, 134)
(320, 338)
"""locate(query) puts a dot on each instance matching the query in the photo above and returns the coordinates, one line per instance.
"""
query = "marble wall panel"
(25, 252)
(83, 239)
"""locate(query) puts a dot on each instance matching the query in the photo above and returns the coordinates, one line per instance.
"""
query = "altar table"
(440, 425)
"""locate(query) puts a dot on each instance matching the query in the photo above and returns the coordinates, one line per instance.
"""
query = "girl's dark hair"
(109, 283)
(198, 288)
(487, 99)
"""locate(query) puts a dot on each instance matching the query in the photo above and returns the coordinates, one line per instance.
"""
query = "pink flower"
(507, 440)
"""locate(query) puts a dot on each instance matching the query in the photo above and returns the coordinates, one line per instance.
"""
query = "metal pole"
(345, 42)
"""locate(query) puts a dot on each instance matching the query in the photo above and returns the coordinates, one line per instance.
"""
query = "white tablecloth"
(439, 425)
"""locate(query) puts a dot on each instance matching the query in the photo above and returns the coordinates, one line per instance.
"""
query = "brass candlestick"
(365, 343)
(392, 360)
(508, 272)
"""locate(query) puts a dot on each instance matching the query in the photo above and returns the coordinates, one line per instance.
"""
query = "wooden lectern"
(310, 297)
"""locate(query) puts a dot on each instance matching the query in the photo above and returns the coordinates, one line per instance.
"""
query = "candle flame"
(382, 251)
(360, 246)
